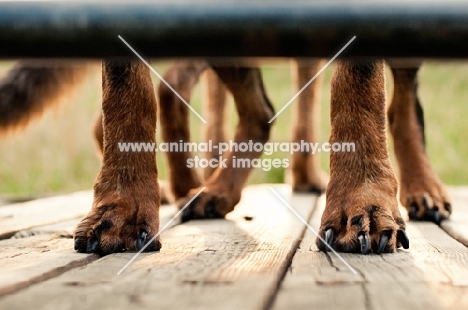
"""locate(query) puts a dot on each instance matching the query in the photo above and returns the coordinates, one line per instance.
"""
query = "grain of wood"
(64, 229)
(21, 216)
(45, 252)
(432, 274)
(219, 264)
(32, 260)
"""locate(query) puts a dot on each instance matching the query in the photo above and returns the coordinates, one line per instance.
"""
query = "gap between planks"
(44, 252)
(203, 264)
(432, 274)
(21, 216)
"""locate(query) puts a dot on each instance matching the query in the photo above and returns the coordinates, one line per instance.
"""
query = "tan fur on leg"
(125, 211)
(214, 101)
(361, 212)
(223, 188)
(175, 122)
(307, 176)
(421, 191)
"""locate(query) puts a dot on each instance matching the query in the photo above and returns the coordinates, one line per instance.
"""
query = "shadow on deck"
(261, 257)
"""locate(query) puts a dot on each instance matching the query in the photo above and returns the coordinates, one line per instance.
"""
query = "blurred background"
(56, 154)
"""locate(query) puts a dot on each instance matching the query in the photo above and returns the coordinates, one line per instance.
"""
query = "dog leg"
(223, 188)
(174, 117)
(361, 212)
(126, 195)
(421, 191)
(307, 176)
(99, 133)
(214, 99)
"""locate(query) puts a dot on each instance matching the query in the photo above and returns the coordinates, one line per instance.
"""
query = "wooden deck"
(261, 257)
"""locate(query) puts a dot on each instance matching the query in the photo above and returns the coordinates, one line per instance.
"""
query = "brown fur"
(29, 88)
(125, 211)
(377, 220)
(174, 116)
(421, 191)
(99, 133)
(361, 194)
(307, 176)
(224, 186)
(214, 100)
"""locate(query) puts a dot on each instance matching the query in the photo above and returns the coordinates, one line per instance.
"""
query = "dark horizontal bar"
(256, 28)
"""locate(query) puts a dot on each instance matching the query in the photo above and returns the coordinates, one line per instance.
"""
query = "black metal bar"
(160, 29)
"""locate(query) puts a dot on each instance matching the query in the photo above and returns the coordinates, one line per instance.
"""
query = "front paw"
(370, 222)
(118, 223)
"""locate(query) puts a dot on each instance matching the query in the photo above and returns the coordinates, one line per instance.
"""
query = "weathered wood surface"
(43, 252)
(253, 260)
(432, 274)
(32, 260)
(457, 226)
(221, 264)
(44, 211)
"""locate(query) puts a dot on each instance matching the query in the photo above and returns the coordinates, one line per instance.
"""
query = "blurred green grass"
(56, 154)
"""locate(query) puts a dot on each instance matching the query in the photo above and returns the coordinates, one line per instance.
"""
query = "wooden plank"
(44, 211)
(64, 229)
(432, 274)
(48, 253)
(32, 260)
(457, 226)
(219, 264)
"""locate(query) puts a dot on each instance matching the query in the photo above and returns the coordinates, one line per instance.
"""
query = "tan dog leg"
(361, 212)
(164, 189)
(307, 176)
(421, 191)
(223, 188)
(126, 195)
(174, 117)
(214, 99)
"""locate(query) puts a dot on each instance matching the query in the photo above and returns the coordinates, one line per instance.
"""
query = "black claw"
(448, 207)
(436, 216)
(412, 211)
(403, 238)
(210, 210)
(80, 244)
(187, 215)
(425, 203)
(364, 241)
(382, 244)
(92, 246)
(329, 238)
(141, 240)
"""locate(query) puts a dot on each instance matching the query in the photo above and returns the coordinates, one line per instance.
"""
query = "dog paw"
(427, 201)
(370, 222)
(118, 223)
(207, 205)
